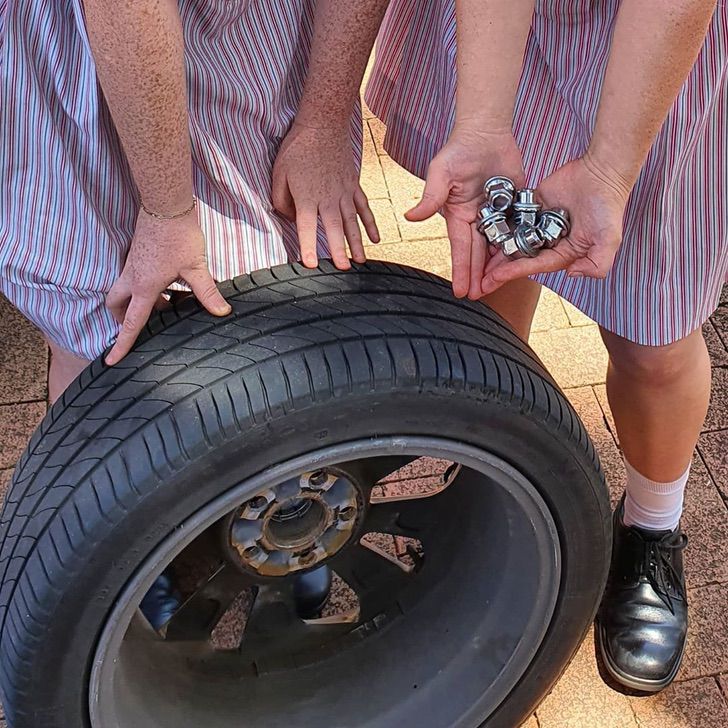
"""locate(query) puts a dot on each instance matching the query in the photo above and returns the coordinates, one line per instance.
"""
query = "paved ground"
(569, 344)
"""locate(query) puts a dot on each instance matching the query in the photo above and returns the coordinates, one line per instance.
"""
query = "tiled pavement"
(699, 699)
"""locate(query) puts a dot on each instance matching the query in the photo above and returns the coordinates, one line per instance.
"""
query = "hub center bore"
(296, 523)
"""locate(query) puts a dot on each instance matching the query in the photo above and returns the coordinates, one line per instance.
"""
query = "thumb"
(434, 196)
(281, 195)
(205, 290)
(596, 264)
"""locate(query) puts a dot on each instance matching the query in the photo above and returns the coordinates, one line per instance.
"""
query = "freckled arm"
(139, 52)
(344, 34)
(654, 47)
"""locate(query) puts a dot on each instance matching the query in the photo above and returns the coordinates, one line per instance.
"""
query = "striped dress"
(673, 261)
(68, 203)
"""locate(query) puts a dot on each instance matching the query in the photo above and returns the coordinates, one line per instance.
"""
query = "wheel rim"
(443, 639)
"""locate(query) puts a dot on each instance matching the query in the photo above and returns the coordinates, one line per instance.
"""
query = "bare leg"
(659, 397)
(516, 302)
(64, 368)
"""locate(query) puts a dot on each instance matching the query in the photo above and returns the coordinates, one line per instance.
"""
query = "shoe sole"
(630, 681)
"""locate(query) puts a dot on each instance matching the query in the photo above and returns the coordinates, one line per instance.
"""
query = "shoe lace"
(660, 569)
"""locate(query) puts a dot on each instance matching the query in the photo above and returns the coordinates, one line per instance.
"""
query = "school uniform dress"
(68, 203)
(673, 262)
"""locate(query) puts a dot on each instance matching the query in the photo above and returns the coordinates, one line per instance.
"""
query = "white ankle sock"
(652, 505)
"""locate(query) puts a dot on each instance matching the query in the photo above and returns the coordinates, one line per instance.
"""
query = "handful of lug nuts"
(513, 221)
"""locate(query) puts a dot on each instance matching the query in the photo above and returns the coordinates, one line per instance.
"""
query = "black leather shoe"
(642, 622)
(161, 601)
(311, 592)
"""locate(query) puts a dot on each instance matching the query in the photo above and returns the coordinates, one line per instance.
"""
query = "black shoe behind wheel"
(244, 452)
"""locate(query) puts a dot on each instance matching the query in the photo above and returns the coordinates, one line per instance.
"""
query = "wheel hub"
(296, 524)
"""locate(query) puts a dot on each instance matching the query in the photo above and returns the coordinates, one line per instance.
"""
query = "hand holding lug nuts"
(529, 228)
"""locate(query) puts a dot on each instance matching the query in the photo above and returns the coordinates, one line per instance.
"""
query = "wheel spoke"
(375, 577)
(410, 517)
(274, 633)
(198, 616)
(369, 471)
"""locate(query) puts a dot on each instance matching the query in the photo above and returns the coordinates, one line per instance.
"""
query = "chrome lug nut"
(509, 247)
(527, 242)
(499, 193)
(493, 225)
(525, 208)
(553, 225)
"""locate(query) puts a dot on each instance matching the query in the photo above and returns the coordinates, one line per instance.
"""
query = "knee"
(656, 366)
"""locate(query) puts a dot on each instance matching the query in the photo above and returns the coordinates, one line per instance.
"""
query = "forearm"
(344, 33)
(654, 47)
(491, 44)
(139, 53)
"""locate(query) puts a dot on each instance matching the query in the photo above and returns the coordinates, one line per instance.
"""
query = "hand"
(162, 252)
(314, 174)
(595, 201)
(454, 186)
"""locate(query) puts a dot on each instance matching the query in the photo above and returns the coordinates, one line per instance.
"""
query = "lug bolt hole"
(318, 478)
(258, 502)
(346, 514)
(251, 552)
(307, 556)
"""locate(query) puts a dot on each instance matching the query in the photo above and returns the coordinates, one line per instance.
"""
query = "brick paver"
(568, 342)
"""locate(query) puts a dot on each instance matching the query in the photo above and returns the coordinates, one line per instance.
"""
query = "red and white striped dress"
(673, 261)
(67, 199)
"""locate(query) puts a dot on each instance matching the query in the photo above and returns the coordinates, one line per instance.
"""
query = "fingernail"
(576, 275)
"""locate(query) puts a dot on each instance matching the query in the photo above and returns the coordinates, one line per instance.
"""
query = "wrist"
(621, 181)
(605, 159)
(337, 118)
(157, 197)
(170, 214)
(483, 127)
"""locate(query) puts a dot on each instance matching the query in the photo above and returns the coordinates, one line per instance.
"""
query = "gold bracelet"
(170, 217)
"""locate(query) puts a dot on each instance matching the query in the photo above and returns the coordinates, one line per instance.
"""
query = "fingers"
(205, 290)
(597, 263)
(282, 197)
(434, 196)
(117, 299)
(340, 221)
(478, 258)
(137, 315)
(500, 269)
(334, 227)
(365, 214)
(352, 232)
(306, 224)
(460, 244)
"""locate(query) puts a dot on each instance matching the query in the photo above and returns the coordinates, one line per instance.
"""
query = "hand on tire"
(162, 252)
(315, 176)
